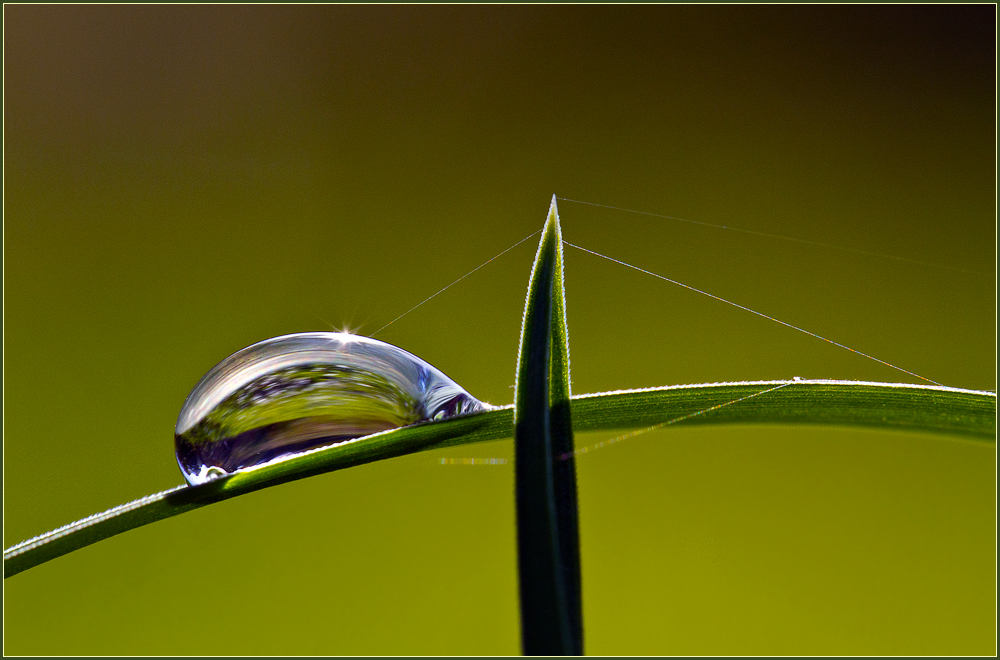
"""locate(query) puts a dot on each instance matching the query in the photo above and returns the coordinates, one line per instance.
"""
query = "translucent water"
(298, 392)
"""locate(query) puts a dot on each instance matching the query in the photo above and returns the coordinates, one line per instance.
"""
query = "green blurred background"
(183, 181)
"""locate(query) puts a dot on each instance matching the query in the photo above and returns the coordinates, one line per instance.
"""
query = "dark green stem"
(547, 528)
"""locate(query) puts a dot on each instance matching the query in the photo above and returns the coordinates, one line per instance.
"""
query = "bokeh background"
(183, 181)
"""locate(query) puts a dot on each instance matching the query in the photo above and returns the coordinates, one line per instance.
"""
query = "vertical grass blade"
(547, 530)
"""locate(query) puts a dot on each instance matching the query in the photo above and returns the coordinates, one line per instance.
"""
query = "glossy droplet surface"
(289, 394)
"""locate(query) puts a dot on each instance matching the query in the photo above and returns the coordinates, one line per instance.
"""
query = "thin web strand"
(780, 236)
(427, 299)
(752, 311)
(607, 443)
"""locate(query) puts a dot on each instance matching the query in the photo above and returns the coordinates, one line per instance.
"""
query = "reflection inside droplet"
(289, 394)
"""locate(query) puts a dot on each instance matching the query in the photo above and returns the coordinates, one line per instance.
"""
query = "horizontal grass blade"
(958, 413)
(548, 554)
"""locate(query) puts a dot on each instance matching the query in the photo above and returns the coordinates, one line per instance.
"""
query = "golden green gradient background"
(183, 181)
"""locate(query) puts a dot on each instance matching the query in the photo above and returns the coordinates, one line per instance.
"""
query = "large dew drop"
(298, 392)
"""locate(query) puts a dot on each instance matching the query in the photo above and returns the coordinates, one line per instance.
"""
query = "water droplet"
(289, 394)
